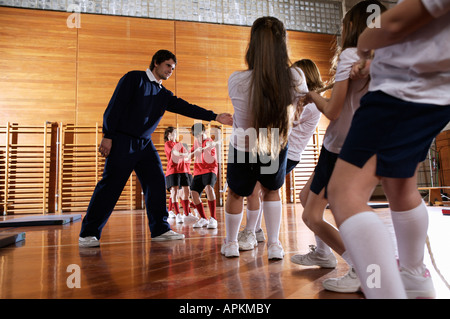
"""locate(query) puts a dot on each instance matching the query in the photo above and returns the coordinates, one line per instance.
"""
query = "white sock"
(411, 232)
(347, 258)
(322, 248)
(372, 251)
(272, 216)
(258, 223)
(252, 219)
(232, 224)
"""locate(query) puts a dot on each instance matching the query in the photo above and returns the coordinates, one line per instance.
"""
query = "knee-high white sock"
(252, 219)
(232, 224)
(372, 250)
(272, 217)
(258, 223)
(411, 232)
(322, 248)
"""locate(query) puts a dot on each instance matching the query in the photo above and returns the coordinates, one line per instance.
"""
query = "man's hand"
(225, 118)
(105, 146)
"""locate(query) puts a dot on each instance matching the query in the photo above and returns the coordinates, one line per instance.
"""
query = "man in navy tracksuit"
(136, 107)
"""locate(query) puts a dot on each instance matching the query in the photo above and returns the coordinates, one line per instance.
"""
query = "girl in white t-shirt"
(263, 99)
(408, 104)
(339, 109)
(300, 135)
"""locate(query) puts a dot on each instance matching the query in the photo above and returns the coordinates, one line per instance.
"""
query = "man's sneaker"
(247, 240)
(202, 222)
(418, 286)
(179, 218)
(347, 283)
(230, 249)
(275, 251)
(260, 236)
(169, 235)
(314, 259)
(212, 223)
(172, 214)
(89, 241)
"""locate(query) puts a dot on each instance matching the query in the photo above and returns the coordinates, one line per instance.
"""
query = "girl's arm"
(332, 107)
(395, 24)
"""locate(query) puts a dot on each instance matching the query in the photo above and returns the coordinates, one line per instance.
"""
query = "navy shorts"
(243, 171)
(178, 180)
(201, 181)
(398, 132)
(323, 171)
(290, 165)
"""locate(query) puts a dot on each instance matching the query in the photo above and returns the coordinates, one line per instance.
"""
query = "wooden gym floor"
(129, 265)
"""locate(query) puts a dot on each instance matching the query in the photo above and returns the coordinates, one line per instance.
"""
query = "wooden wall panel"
(108, 48)
(37, 66)
(207, 55)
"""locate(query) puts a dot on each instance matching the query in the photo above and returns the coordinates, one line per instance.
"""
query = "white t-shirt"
(302, 131)
(418, 68)
(337, 130)
(239, 92)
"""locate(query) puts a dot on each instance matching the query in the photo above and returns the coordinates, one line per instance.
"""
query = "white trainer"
(230, 249)
(202, 222)
(348, 283)
(179, 218)
(260, 236)
(418, 286)
(314, 259)
(212, 224)
(89, 241)
(275, 251)
(169, 235)
(172, 214)
(247, 240)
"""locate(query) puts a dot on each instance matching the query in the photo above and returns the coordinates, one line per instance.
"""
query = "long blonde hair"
(271, 84)
(312, 74)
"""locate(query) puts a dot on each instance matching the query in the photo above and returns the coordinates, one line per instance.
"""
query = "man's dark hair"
(161, 56)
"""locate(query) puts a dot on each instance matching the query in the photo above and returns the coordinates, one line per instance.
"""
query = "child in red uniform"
(205, 175)
(178, 172)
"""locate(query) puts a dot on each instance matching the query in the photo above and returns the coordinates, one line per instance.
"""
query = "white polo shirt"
(418, 68)
(239, 92)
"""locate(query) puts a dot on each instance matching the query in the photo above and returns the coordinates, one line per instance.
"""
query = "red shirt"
(176, 164)
(206, 162)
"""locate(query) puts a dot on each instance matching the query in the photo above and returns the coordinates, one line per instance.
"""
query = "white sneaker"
(247, 240)
(179, 218)
(418, 286)
(260, 236)
(212, 223)
(276, 251)
(347, 283)
(190, 217)
(201, 223)
(169, 235)
(230, 249)
(171, 214)
(314, 259)
(89, 241)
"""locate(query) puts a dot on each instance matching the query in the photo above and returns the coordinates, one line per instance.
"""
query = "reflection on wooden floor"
(129, 265)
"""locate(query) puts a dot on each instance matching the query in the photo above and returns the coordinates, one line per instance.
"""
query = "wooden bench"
(434, 193)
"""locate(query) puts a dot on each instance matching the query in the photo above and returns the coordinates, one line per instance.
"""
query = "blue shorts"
(243, 171)
(323, 171)
(398, 132)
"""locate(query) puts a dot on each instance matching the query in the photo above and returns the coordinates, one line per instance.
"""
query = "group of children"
(182, 184)
(381, 127)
